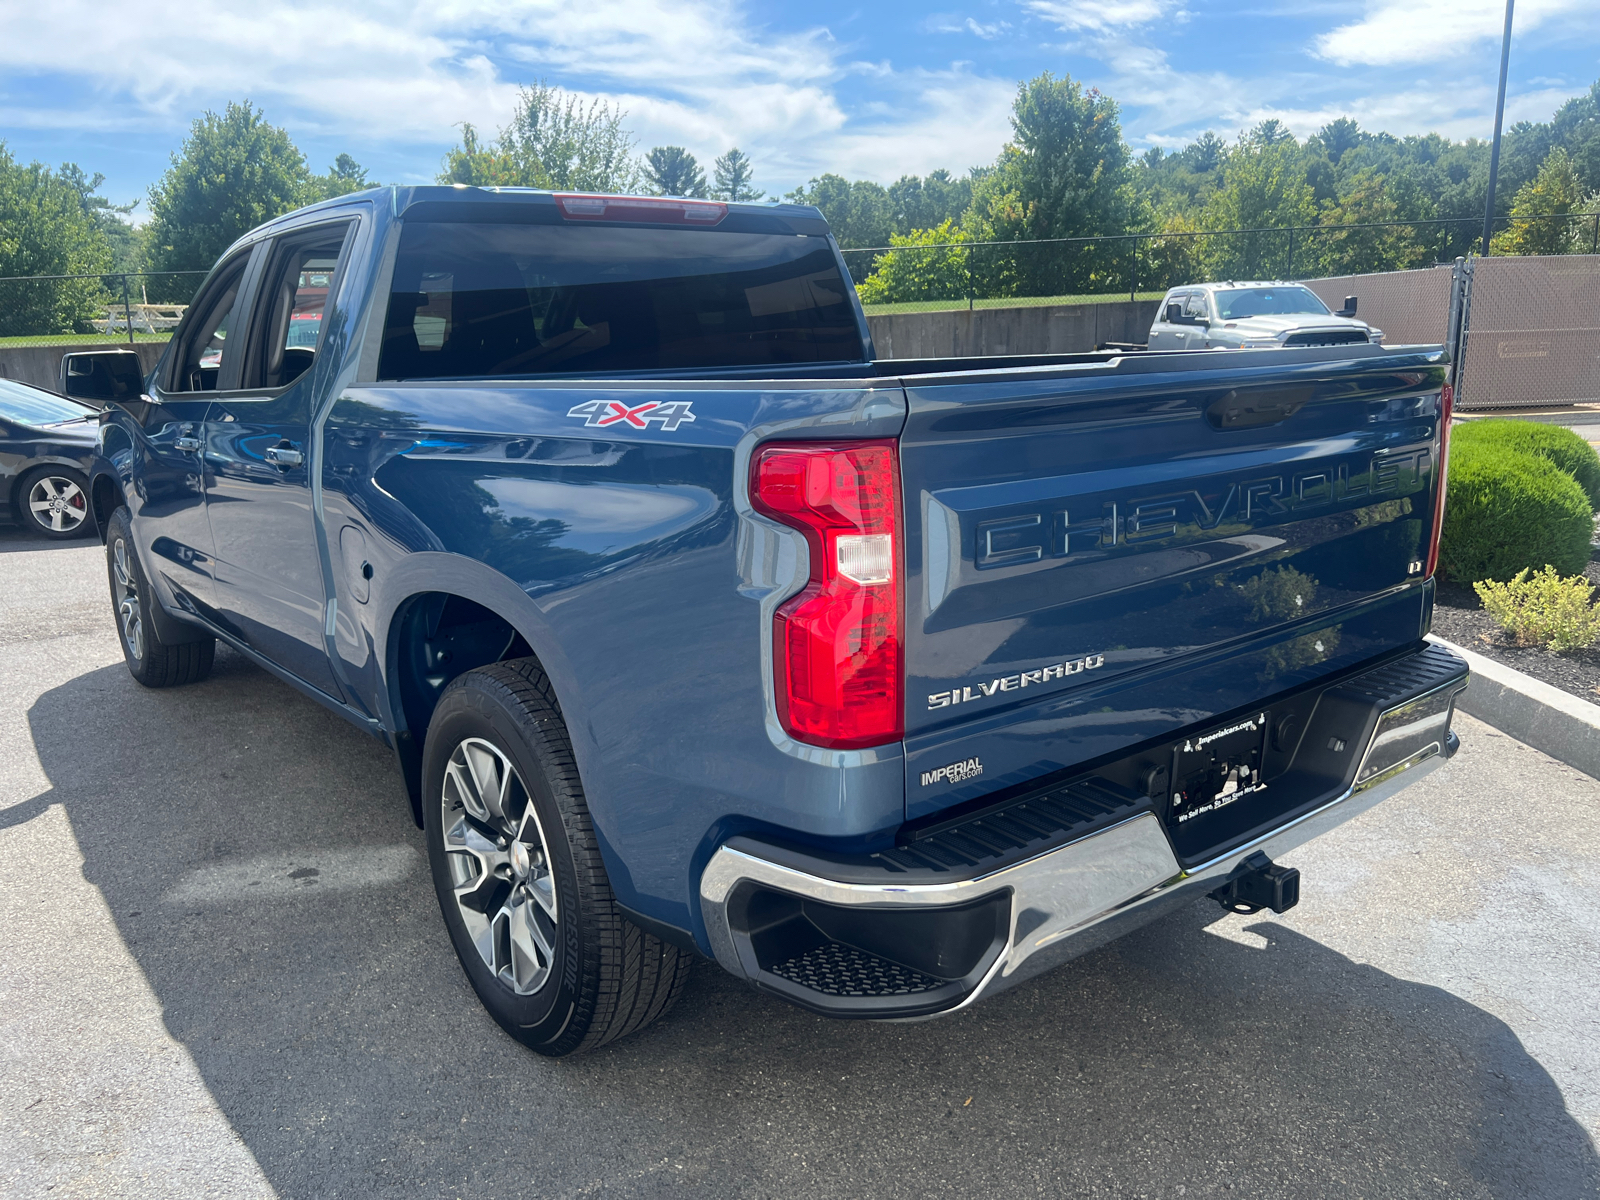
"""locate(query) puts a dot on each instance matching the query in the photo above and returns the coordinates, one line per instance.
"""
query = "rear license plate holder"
(1215, 770)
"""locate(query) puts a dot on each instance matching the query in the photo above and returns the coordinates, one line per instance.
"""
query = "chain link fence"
(75, 310)
(1532, 332)
(1142, 266)
(1411, 307)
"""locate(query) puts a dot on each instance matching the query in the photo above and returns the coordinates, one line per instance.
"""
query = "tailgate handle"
(1255, 407)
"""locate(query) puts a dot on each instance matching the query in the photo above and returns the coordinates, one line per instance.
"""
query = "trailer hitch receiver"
(1259, 883)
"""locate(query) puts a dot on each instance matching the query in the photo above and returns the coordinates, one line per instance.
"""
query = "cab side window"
(295, 292)
(1195, 306)
(205, 334)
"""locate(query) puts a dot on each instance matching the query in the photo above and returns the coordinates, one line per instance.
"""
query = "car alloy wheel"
(127, 598)
(499, 865)
(57, 504)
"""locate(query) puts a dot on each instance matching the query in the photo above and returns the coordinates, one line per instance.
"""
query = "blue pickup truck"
(698, 631)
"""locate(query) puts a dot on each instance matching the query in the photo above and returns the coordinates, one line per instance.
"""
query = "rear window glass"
(30, 406)
(476, 299)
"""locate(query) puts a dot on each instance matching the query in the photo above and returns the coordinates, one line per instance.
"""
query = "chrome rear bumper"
(1076, 897)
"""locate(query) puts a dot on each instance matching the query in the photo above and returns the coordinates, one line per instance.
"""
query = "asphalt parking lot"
(223, 972)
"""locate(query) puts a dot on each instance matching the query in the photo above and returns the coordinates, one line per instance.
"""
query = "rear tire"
(518, 872)
(53, 502)
(151, 661)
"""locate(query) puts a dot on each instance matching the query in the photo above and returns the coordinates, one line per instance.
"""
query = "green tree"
(345, 176)
(1541, 213)
(1173, 258)
(234, 172)
(1067, 175)
(554, 140)
(1586, 233)
(127, 241)
(1339, 136)
(478, 164)
(1263, 187)
(1576, 127)
(858, 212)
(45, 230)
(1271, 132)
(673, 171)
(733, 173)
(1205, 153)
(1181, 182)
(1351, 251)
(926, 203)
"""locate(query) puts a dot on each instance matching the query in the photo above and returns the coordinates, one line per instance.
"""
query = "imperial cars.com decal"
(957, 772)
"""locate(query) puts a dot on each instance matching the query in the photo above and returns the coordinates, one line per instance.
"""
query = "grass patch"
(916, 306)
(82, 339)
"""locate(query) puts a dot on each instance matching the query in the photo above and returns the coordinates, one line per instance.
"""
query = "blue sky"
(869, 91)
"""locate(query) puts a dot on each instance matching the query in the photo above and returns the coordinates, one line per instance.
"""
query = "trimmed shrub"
(1544, 609)
(1506, 511)
(1556, 443)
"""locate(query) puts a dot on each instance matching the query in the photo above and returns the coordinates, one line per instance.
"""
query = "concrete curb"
(1531, 711)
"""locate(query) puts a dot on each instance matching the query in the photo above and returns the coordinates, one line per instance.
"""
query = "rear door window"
(482, 299)
(203, 338)
(291, 305)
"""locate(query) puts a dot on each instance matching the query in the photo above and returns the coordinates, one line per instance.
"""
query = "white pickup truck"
(1224, 316)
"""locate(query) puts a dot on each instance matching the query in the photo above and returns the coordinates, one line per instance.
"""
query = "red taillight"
(1446, 404)
(837, 644)
(640, 208)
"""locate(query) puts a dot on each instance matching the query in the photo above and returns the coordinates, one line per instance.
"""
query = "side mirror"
(102, 376)
(1174, 314)
(1349, 309)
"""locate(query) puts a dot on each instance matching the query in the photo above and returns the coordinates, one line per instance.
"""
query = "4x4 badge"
(639, 416)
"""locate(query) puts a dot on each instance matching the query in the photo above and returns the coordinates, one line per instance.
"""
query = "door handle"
(283, 456)
(186, 442)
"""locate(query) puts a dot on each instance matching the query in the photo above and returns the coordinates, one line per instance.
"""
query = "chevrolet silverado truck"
(1254, 316)
(698, 632)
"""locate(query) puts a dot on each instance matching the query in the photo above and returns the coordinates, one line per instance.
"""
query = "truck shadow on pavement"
(16, 540)
(259, 859)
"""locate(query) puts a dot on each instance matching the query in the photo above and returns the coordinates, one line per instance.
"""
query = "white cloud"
(1167, 106)
(1458, 114)
(702, 75)
(1099, 15)
(950, 119)
(1408, 31)
(948, 23)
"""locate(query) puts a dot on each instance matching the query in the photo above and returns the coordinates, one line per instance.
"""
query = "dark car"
(46, 444)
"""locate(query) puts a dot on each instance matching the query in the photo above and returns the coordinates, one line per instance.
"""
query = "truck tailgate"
(1099, 554)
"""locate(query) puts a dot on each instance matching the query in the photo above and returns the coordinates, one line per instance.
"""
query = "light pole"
(1499, 114)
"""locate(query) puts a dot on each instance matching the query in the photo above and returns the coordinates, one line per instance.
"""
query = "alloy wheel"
(127, 599)
(499, 865)
(57, 504)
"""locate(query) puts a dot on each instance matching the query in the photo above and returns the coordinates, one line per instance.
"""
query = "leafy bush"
(1506, 510)
(1544, 609)
(926, 264)
(1554, 442)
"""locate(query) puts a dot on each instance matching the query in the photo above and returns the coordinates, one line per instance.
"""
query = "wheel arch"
(105, 497)
(444, 615)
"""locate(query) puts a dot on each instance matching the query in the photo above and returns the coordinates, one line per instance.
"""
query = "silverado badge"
(1009, 683)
